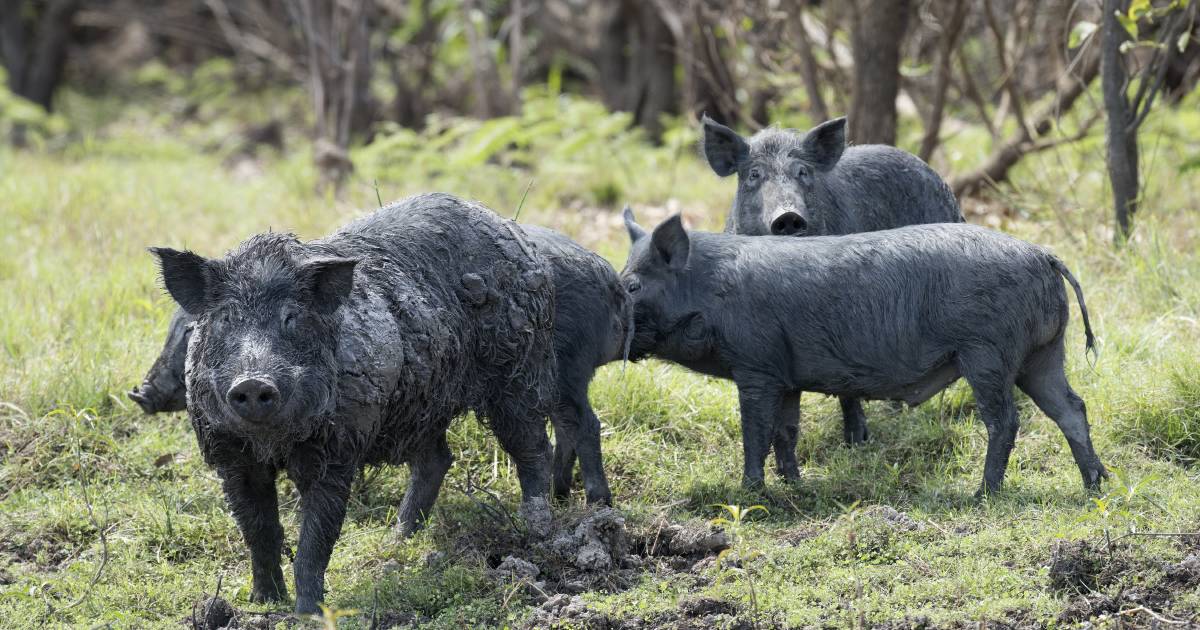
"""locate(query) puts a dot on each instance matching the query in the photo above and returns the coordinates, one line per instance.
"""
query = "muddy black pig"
(319, 358)
(891, 315)
(591, 311)
(811, 184)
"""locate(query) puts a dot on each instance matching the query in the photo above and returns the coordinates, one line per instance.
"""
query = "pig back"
(452, 310)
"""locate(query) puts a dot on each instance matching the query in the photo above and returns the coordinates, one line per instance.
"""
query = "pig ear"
(186, 276)
(823, 144)
(671, 242)
(331, 281)
(723, 147)
(636, 232)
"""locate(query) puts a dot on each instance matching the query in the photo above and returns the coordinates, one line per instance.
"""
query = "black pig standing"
(892, 315)
(359, 348)
(591, 312)
(812, 184)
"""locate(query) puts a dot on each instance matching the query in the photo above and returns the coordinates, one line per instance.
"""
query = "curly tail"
(1090, 345)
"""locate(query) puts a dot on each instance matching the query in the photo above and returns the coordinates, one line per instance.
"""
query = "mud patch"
(693, 613)
(1081, 567)
(598, 551)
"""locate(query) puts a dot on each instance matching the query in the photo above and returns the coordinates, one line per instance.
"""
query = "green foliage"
(16, 112)
(573, 150)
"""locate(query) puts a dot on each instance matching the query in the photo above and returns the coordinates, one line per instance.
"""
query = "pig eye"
(633, 285)
(754, 174)
(289, 320)
(802, 172)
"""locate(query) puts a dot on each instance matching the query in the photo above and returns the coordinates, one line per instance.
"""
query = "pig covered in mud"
(591, 311)
(316, 359)
(891, 315)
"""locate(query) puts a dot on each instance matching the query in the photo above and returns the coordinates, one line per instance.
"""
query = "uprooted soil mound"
(597, 551)
(592, 551)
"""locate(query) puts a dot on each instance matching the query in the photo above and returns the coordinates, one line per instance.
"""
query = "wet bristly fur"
(449, 309)
(591, 312)
(891, 315)
(835, 188)
(838, 189)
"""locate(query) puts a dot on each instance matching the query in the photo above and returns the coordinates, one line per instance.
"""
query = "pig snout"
(788, 222)
(254, 399)
(154, 396)
(144, 399)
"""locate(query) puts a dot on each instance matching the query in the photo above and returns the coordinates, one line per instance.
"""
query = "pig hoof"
(264, 595)
(537, 515)
(1092, 479)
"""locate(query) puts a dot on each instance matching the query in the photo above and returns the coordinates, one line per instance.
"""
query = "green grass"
(110, 517)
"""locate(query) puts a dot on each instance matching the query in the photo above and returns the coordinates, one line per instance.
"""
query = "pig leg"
(526, 443)
(994, 399)
(564, 420)
(760, 403)
(322, 509)
(854, 422)
(1043, 379)
(577, 432)
(787, 432)
(427, 468)
(587, 440)
(250, 490)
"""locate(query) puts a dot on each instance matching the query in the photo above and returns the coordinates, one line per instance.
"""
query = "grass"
(110, 517)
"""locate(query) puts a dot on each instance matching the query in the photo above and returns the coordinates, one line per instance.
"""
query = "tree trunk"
(1121, 133)
(952, 24)
(636, 63)
(35, 51)
(877, 31)
(809, 71)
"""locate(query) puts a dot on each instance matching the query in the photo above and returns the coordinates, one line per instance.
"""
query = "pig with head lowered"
(891, 315)
(316, 359)
(591, 311)
(810, 184)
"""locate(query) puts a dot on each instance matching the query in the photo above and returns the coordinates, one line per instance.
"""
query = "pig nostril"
(789, 224)
(254, 399)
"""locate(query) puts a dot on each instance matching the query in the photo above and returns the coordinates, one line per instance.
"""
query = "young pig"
(891, 315)
(319, 358)
(590, 317)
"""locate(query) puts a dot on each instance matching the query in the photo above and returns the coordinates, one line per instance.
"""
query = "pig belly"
(923, 388)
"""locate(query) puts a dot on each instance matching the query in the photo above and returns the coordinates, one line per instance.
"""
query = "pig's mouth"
(152, 400)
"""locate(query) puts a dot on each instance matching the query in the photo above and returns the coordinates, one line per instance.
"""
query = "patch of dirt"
(694, 613)
(1185, 573)
(1142, 592)
(47, 553)
(214, 613)
(1081, 567)
(596, 551)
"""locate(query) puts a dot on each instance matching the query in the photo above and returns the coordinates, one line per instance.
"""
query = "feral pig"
(892, 315)
(358, 349)
(590, 315)
(164, 389)
(812, 184)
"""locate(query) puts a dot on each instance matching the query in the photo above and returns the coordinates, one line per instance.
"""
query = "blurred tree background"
(1023, 70)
